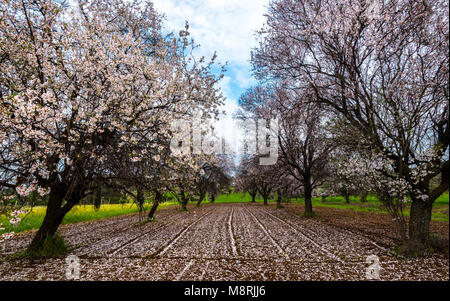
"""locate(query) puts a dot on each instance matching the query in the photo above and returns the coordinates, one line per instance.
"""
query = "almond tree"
(304, 146)
(216, 175)
(262, 179)
(80, 84)
(244, 180)
(147, 173)
(287, 186)
(182, 181)
(375, 173)
(382, 66)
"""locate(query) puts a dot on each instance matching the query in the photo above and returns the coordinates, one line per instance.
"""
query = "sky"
(227, 27)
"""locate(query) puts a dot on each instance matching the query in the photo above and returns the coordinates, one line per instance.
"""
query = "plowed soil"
(230, 242)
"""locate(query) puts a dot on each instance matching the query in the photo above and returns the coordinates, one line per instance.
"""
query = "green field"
(82, 213)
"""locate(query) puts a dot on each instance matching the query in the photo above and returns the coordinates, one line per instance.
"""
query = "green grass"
(442, 200)
(236, 197)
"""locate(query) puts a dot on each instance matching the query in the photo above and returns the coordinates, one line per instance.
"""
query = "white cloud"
(225, 26)
(243, 77)
(224, 85)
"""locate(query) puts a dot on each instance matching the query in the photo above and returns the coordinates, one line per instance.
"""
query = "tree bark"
(154, 205)
(200, 198)
(184, 201)
(347, 197)
(419, 224)
(53, 218)
(364, 197)
(98, 197)
(265, 199)
(253, 195)
(140, 202)
(308, 197)
(140, 196)
(279, 198)
(213, 198)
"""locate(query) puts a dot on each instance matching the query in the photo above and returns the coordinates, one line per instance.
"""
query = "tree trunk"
(253, 197)
(308, 201)
(200, 198)
(53, 218)
(279, 198)
(347, 197)
(140, 202)
(364, 197)
(140, 196)
(324, 199)
(419, 225)
(213, 198)
(184, 201)
(154, 205)
(265, 196)
(97, 198)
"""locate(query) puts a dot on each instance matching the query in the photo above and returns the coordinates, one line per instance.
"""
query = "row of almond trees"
(88, 91)
(360, 89)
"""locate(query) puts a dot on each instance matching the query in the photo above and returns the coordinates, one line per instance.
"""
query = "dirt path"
(222, 242)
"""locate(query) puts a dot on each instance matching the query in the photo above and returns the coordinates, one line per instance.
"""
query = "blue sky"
(225, 26)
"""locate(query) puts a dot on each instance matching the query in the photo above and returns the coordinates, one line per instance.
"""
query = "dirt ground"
(231, 242)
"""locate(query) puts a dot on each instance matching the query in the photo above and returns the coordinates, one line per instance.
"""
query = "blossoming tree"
(304, 146)
(80, 84)
(382, 66)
